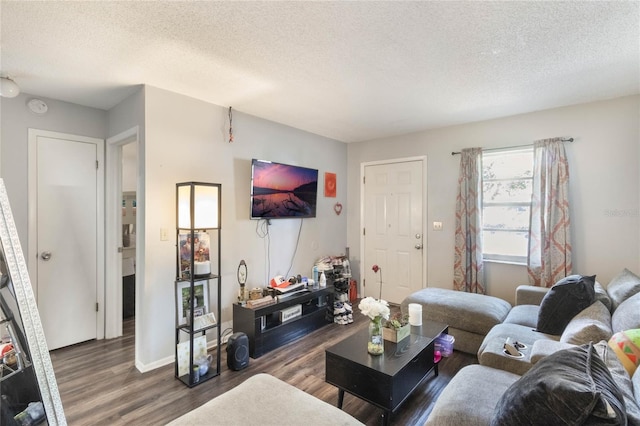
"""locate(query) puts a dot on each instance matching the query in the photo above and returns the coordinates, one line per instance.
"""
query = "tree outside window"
(507, 177)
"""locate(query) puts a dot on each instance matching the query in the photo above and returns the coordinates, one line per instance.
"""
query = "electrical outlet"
(437, 226)
(164, 234)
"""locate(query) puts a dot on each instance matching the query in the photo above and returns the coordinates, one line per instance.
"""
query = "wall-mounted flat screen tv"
(280, 191)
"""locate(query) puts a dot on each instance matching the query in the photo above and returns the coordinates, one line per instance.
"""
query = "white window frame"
(504, 258)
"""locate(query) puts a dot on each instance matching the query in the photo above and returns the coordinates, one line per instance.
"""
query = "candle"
(415, 314)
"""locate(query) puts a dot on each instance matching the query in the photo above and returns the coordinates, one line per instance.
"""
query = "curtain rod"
(509, 147)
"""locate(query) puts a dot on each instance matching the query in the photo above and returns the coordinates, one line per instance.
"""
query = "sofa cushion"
(564, 300)
(571, 387)
(452, 407)
(491, 350)
(526, 315)
(592, 324)
(623, 286)
(626, 345)
(543, 348)
(627, 315)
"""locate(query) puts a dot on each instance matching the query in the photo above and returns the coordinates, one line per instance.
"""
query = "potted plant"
(396, 328)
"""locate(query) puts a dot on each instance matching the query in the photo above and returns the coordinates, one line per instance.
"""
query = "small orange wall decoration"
(329, 184)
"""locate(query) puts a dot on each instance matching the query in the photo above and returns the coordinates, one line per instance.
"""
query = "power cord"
(262, 230)
(295, 250)
(226, 334)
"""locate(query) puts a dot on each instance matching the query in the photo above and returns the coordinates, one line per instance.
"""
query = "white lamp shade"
(205, 202)
(8, 88)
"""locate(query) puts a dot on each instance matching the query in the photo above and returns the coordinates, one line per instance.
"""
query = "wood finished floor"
(99, 384)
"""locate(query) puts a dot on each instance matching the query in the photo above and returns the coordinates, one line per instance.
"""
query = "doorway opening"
(122, 233)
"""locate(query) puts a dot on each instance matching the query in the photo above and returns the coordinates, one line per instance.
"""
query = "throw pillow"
(602, 296)
(620, 376)
(627, 314)
(623, 286)
(563, 301)
(592, 324)
(626, 345)
(570, 387)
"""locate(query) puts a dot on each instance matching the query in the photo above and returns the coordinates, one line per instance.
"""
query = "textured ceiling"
(351, 71)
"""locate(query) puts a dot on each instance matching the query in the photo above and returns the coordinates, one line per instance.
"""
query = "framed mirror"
(28, 389)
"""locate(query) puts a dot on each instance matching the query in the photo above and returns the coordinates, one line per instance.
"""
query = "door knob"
(46, 255)
(418, 246)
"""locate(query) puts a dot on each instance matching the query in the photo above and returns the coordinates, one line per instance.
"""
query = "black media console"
(266, 330)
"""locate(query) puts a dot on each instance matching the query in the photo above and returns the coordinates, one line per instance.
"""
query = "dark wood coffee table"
(385, 380)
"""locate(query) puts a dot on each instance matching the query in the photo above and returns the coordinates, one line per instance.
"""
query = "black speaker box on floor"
(237, 351)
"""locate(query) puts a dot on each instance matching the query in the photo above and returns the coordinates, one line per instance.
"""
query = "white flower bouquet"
(374, 308)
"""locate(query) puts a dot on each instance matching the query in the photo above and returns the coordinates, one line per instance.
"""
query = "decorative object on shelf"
(198, 259)
(376, 310)
(199, 244)
(255, 293)
(396, 328)
(200, 350)
(200, 302)
(337, 207)
(329, 184)
(375, 269)
(242, 280)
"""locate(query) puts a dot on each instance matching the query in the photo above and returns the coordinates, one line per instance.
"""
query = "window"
(507, 178)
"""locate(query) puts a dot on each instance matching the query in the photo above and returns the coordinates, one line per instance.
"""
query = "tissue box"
(444, 344)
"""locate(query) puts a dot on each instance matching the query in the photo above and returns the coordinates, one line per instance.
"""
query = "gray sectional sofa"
(499, 376)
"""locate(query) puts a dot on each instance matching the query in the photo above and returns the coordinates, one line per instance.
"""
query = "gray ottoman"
(265, 400)
(470, 316)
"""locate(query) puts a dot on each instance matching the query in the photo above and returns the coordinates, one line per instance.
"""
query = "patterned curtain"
(467, 268)
(549, 258)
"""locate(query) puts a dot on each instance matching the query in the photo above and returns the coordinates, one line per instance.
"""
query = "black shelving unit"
(192, 319)
(266, 329)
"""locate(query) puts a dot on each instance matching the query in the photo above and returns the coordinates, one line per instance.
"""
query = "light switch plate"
(164, 234)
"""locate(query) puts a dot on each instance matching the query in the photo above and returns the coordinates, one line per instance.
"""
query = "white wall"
(604, 185)
(15, 122)
(187, 140)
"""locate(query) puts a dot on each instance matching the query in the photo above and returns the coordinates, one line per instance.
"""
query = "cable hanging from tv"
(510, 147)
(230, 125)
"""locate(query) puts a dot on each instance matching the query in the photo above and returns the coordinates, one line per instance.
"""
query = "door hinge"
(97, 310)
(364, 178)
(97, 164)
(364, 231)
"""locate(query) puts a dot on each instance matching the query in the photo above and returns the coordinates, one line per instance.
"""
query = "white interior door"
(393, 229)
(66, 197)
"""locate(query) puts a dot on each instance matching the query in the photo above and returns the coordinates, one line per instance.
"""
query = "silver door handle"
(46, 255)
(418, 246)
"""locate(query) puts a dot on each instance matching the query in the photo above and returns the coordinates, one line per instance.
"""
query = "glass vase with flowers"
(376, 310)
